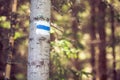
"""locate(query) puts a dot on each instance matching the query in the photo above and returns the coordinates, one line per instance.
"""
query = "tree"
(11, 39)
(113, 41)
(102, 67)
(38, 57)
(93, 36)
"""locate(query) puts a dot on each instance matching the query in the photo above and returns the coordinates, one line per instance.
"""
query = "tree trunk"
(11, 39)
(113, 42)
(93, 37)
(102, 67)
(38, 57)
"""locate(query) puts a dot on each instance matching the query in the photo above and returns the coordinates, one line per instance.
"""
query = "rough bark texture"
(38, 57)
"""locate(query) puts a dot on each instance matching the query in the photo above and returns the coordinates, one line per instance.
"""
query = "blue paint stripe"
(43, 27)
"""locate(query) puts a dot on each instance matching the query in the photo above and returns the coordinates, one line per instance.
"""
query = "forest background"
(85, 39)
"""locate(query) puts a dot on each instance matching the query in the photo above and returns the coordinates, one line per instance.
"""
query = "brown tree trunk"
(75, 37)
(113, 42)
(102, 67)
(75, 21)
(11, 39)
(93, 37)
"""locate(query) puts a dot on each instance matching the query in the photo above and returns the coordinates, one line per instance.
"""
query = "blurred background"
(85, 39)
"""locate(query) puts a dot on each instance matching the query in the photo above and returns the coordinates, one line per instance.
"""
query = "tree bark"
(93, 37)
(38, 57)
(102, 67)
(11, 39)
(113, 42)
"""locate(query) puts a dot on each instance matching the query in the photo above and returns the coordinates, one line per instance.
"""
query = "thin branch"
(56, 27)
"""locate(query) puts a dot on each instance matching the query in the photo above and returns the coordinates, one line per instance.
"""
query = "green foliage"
(64, 48)
(20, 76)
(81, 73)
(4, 22)
(18, 35)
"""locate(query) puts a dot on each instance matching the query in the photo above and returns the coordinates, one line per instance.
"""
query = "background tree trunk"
(38, 57)
(102, 67)
(11, 39)
(113, 42)
(93, 37)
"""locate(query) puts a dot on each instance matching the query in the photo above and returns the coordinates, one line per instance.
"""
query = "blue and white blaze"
(42, 27)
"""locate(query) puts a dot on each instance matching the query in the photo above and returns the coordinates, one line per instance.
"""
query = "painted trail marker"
(42, 27)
